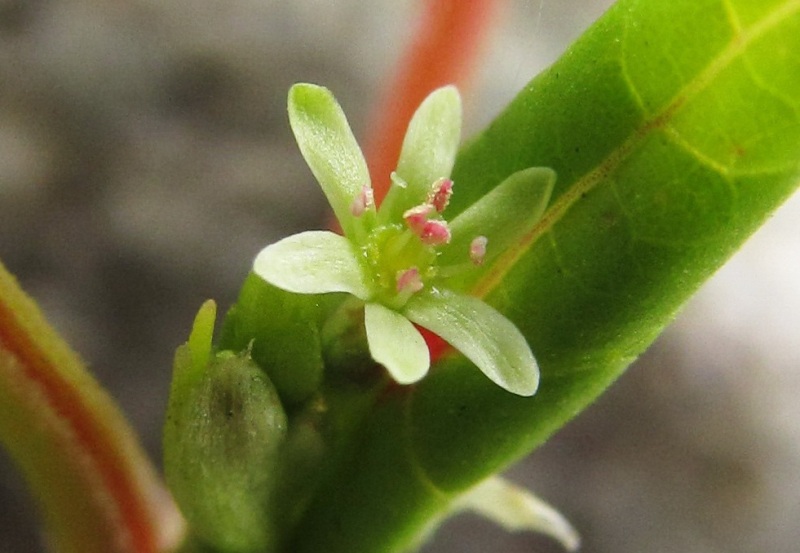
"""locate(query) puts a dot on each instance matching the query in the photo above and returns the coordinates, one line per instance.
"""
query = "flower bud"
(224, 432)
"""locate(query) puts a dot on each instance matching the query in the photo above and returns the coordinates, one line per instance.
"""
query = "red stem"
(445, 50)
(139, 510)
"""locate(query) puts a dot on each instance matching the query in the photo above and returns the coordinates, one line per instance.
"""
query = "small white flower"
(403, 260)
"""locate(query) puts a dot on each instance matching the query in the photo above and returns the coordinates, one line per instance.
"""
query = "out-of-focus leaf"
(674, 128)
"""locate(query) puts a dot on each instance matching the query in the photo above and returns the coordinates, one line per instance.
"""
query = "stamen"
(477, 249)
(440, 195)
(409, 281)
(397, 180)
(417, 217)
(435, 233)
(363, 201)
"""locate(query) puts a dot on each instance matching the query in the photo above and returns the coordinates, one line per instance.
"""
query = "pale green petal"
(428, 153)
(331, 151)
(396, 344)
(504, 215)
(313, 262)
(482, 334)
(516, 509)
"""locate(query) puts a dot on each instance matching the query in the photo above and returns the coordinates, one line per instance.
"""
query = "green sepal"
(199, 345)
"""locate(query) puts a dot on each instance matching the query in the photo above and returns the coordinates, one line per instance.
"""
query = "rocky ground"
(145, 158)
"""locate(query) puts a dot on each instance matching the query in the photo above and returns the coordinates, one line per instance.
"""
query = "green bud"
(223, 435)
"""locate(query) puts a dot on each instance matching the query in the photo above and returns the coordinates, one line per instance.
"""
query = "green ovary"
(392, 250)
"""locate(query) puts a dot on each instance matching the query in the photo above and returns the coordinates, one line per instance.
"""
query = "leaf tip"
(202, 334)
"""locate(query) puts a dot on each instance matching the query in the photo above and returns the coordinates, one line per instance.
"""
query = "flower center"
(402, 257)
(400, 262)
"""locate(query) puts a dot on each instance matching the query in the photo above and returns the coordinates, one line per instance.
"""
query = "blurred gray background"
(145, 158)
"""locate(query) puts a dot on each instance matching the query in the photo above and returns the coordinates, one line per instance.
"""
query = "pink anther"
(441, 193)
(417, 217)
(435, 233)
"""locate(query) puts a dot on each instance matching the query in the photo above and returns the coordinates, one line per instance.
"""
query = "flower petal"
(396, 344)
(517, 509)
(331, 151)
(428, 153)
(313, 262)
(503, 216)
(482, 334)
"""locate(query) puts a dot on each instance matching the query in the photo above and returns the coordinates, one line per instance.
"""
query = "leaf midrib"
(738, 45)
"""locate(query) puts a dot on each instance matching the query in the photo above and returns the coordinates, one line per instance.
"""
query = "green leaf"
(482, 334)
(281, 331)
(428, 152)
(504, 215)
(662, 176)
(396, 344)
(313, 262)
(674, 128)
(331, 151)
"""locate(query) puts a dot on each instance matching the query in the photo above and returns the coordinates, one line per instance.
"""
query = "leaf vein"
(618, 156)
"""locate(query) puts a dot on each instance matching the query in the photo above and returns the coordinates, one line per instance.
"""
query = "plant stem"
(96, 487)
